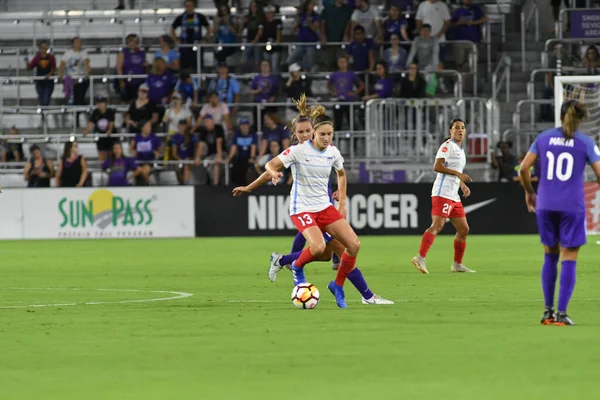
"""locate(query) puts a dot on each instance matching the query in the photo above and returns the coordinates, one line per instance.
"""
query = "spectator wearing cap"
(384, 86)
(183, 147)
(226, 28)
(367, 17)
(45, 65)
(131, 61)
(344, 85)
(264, 88)
(142, 109)
(307, 28)
(242, 153)
(227, 87)
(189, 88)
(75, 64)
(218, 111)
(102, 121)
(296, 85)
(335, 28)
(254, 25)
(466, 21)
(212, 138)
(176, 112)
(436, 14)
(145, 147)
(271, 36)
(190, 24)
(161, 83)
(38, 170)
(362, 51)
(167, 52)
(120, 169)
(274, 130)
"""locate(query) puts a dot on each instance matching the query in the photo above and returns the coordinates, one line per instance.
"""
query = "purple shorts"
(561, 227)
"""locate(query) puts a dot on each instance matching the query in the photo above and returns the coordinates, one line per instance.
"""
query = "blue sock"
(567, 284)
(299, 243)
(290, 258)
(358, 280)
(336, 259)
(549, 274)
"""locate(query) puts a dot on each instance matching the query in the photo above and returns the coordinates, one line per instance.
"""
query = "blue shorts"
(561, 227)
(328, 238)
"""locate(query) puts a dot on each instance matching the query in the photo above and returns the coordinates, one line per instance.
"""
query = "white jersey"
(310, 170)
(447, 186)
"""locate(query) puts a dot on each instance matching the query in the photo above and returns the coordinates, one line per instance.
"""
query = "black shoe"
(562, 319)
(548, 317)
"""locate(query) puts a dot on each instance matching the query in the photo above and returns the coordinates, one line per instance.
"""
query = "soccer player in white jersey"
(445, 202)
(310, 208)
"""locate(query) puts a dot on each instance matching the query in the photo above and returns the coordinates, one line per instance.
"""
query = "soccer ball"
(305, 296)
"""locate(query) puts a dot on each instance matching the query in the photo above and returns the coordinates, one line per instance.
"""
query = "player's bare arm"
(342, 185)
(261, 180)
(525, 174)
(442, 169)
(465, 189)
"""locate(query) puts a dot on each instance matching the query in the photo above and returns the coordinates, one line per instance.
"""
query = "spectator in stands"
(75, 64)
(533, 171)
(45, 65)
(296, 84)
(121, 170)
(191, 24)
(161, 83)
(145, 147)
(72, 167)
(306, 27)
(344, 85)
(395, 24)
(335, 28)
(142, 109)
(176, 112)
(547, 113)
(504, 161)
(271, 36)
(38, 170)
(226, 28)
(242, 153)
(227, 87)
(362, 51)
(102, 120)
(384, 86)
(264, 88)
(12, 151)
(466, 21)
(254, 26)
(591, 60)
(218, 111)
(427, 50)
(436, 14)
(395, 57)
(274, 130)
(168, 52)
(274, 151)
(131, 61)
(368, 18)
(212, 138)
(189, 89)
(184, 146)
(412, 85)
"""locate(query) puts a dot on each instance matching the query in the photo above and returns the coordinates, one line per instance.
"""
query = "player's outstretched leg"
(437, 223)
(343, 232)
(460, 244)
(549, 274)
(567, 285)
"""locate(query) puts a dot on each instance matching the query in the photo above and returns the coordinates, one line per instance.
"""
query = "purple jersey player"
(560, 204)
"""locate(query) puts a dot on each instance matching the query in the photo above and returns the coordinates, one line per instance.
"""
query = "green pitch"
(449, 336)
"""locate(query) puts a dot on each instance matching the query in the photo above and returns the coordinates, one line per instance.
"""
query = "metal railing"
(501, 77)
(532, 123)
(561, 16)
(530, 9)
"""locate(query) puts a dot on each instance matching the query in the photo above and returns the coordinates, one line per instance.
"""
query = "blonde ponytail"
(575, 114)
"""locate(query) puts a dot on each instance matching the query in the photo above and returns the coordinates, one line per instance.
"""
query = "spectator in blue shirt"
(242, 153)
(467, 21)
(226, 27)
(168, 52)
(273, 130)
(307, 28)
(395, 57)
(189, 89)
(362, 51)
(384, 86)
(227, 87)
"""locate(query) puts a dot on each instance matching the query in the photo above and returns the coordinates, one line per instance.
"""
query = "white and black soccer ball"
(305, 296)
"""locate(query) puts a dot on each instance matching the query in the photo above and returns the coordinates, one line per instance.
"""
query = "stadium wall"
(492, 208)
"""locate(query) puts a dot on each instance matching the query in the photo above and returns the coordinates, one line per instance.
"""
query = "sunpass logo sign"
(374, 211)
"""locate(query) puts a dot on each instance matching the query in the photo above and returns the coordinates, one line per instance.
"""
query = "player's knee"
(464, 230)
(353, 247)
(436, 228)
(317, 249)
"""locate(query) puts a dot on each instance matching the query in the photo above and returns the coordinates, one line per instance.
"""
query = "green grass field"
(448, 336)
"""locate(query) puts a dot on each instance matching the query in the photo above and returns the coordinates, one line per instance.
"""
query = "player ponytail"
(572, 113)
(455, 120)
(319, 115)
(303, 115)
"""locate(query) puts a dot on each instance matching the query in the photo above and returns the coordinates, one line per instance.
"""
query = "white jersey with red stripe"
(445, 185)
(310, 170)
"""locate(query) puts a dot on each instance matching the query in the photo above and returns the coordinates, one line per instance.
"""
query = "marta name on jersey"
(445, 185)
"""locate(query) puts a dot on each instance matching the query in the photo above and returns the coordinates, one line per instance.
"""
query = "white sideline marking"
(402, 301)
(178, 295)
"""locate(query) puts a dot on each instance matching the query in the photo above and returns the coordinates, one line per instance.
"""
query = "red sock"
(459, 251)
(426, 242)
(346, 266)
(305, 257)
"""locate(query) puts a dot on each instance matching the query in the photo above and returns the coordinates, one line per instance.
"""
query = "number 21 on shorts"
(305, 219)
(446, 209)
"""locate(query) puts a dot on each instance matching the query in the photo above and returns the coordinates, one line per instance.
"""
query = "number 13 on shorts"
(305, 220)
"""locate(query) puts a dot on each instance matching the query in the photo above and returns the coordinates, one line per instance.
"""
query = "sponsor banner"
(108, 213)
(584, 24)
(492, 208)
(11, 214)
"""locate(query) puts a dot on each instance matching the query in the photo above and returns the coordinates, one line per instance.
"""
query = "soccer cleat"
(335, 265)
(298, 275)
(419, 263)
(456, 267)
(562, 319)
(275, 266)
(377, 300)
(548, 317)
(338, 292)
